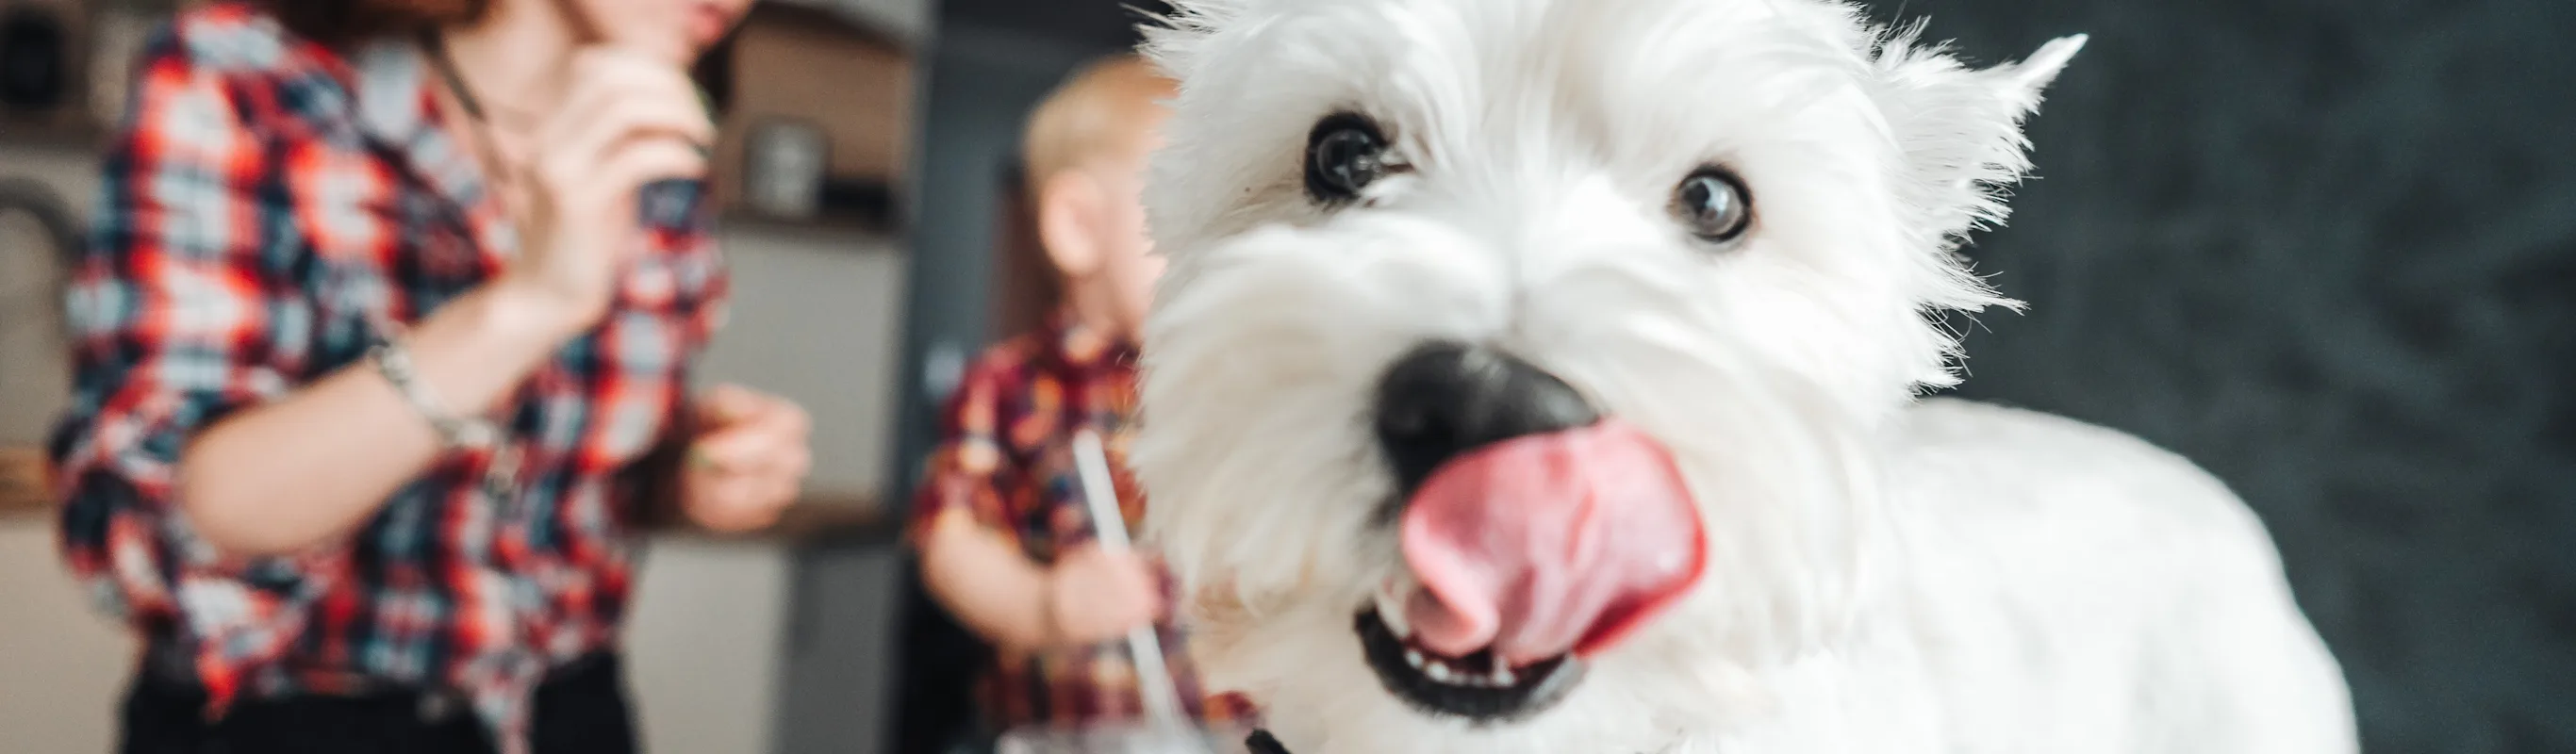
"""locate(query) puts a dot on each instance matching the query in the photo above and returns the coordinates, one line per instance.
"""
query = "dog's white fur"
(1886, 575)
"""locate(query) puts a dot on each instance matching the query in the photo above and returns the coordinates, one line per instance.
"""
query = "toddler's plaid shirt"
(1006, 459)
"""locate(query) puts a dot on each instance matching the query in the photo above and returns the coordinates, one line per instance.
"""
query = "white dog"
(1541, 376)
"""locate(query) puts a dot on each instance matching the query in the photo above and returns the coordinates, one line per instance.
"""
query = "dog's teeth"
(1504, 677)
(1390, 611)
(1439, 673)
(1414, 658)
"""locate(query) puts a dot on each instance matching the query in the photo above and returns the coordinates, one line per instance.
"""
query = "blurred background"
(2327, 249)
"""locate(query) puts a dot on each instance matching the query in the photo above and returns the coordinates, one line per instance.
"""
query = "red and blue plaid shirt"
(270, 209)
(1006, 459)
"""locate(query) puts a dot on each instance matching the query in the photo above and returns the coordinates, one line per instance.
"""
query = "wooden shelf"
(816, 521)
(851, 84)
(80, 136)
(22, 482)
(829, 226)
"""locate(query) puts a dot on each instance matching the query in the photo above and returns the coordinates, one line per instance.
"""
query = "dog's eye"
(1713, 205)
(1344, 154)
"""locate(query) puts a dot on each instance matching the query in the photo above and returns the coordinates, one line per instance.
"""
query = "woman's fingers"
(641, 162)
(724, 405)
(604, 158)
(742, 502)
(758, 449)
(619, 102)
(627, 119)
(605, 78)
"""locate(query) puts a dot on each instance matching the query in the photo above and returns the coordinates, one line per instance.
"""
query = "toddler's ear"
(1960, 128)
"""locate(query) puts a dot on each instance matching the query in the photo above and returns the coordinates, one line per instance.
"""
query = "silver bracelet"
(454, 431)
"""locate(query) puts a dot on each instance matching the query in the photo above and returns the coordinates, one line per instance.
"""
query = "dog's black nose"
(1443, 399)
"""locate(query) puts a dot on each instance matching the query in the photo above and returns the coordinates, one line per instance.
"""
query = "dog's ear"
(1960, 127)
(2033, 74)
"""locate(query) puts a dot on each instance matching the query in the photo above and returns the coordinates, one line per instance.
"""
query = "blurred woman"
(389, 307)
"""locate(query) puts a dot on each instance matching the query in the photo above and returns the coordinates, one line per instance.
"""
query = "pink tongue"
(1549, 544)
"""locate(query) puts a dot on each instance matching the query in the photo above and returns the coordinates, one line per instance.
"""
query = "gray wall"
(982, 83)
(2328, 249)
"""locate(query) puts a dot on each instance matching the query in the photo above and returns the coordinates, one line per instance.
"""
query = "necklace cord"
(436, 44)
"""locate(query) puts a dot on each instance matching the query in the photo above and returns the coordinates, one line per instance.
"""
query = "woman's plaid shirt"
(270, 208)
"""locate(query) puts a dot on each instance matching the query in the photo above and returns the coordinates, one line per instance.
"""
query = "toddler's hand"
(1098, 595)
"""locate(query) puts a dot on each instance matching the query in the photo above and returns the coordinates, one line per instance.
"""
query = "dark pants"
(581, 709)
